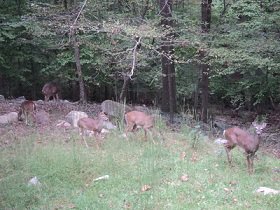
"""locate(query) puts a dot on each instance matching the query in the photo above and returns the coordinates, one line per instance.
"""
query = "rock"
(115, 109)
(108, 125)
(73, 117)
(63, 124)
(266, 191)
(40, 101)
(34, 181)
(42, 117)
(9, 118)
(141, 109)
(2, 98)
(21, 98)
(220, 141)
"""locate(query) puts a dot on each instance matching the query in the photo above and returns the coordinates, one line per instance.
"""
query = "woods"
(161, 53)
(139, 104)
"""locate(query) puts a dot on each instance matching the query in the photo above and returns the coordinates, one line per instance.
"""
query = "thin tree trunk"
(205, 92)
(171, 90)
(79, 70)
(205, 26)
(34, 79)
(168, 69)
(124, 88)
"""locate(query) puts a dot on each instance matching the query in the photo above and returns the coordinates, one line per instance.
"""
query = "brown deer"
(51, 89)
(27, 109)
(250, 143)
(94, 125)
(134, 119)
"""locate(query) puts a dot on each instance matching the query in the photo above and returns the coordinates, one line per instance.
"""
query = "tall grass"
(66, 170)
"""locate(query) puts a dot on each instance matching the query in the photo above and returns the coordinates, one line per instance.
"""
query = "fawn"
(27, 109)
(137, 118)
(90, 124)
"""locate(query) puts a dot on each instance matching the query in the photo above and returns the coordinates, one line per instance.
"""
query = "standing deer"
(90, 124)
(51, 89)
(137, 118)
(27, 109)
(250, 143)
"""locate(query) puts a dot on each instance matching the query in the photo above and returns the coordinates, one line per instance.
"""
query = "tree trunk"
(205, 26)
(168, 69)
(124, 88)
(204, 92)
(79, 69)
(34, 79)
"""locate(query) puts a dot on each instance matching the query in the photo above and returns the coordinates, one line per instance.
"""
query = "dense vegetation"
(40, 41)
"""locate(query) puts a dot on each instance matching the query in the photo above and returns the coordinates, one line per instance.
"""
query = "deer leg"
(98, 140)
(129, 127)
(26, 118)
(85, 141)
(248, 163)
(252, 164)
(229, 156)
(145, 130)
(83, 136)
(252, 156)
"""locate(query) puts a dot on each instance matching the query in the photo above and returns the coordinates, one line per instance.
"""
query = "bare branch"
(138, 41)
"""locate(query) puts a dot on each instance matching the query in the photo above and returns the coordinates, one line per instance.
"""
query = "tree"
(168, 69)
(205, 27)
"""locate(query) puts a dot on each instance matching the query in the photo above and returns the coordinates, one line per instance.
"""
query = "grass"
(66, 170)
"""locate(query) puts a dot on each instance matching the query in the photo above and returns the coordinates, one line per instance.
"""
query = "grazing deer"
(51, 89)
(89, 124)
(250, 143)
(134, 119)
(27, 109)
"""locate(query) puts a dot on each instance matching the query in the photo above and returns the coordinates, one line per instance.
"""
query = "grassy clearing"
(66, 170)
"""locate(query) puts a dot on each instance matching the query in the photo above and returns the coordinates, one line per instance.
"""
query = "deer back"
(242, 138)
(139, 118)
(26, 107)
(93, 124)
(50, 89)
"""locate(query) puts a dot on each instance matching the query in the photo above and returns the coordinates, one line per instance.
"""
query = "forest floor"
(57, 111)
(179, 169)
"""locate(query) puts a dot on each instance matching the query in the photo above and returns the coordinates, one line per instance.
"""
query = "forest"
(154, 95)
(176, 55)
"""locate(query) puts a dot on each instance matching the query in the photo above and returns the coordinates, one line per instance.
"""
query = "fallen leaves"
(194, 157)
(184, 178)
(145, 188)
(183, 155)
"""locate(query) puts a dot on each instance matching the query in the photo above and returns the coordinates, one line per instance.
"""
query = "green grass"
(66, 170)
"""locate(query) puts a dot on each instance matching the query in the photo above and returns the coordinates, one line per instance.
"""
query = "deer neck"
(258, 138)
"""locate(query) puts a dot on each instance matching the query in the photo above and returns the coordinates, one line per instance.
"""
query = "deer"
(27, 109)
(250, 143)
(136, 119)
(51, 89)
(94, 125)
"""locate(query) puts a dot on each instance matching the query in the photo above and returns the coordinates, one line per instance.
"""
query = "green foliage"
(243, 40)
(245, 43)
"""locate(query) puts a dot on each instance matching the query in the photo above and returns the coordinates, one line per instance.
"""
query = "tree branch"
(134, 57)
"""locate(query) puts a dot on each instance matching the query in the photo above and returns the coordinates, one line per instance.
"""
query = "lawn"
(142, 175)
